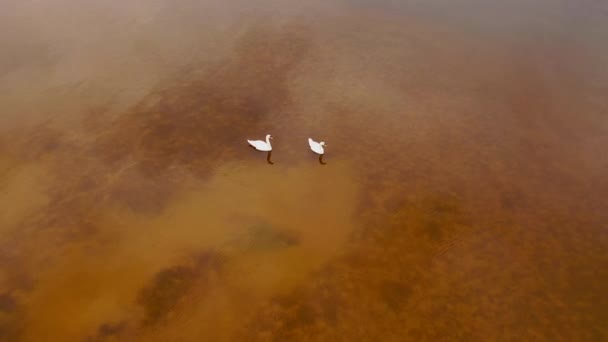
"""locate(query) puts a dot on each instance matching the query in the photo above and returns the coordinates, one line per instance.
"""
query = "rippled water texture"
(465, 195)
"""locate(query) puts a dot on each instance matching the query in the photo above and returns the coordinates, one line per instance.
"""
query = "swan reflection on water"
(321, 160)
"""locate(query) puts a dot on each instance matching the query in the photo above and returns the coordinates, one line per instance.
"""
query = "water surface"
(464, 197)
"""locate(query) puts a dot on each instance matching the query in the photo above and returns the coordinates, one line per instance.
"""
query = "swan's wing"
(259, 145)
(312, 143)
(255, 143)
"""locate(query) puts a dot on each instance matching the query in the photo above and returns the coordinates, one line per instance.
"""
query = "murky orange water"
(464, 197)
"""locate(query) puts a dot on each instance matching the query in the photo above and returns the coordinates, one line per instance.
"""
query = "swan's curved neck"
(268, 140)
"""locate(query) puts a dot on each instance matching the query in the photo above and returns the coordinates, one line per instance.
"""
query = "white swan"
(316, 147)
(261, 145)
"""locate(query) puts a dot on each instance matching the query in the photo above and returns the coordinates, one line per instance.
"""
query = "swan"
(316, 147)
(261, 145)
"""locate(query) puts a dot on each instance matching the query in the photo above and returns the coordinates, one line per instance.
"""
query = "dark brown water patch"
(287, 318)
(395, 294)
(170, 286)
(264, 236)
(167, 288)
(438, 217)
(188, 126)
(11, 318)
(7, 302)
(108, 332)
(34, 142)
(10, 330)
(139, 193)
(203, 116)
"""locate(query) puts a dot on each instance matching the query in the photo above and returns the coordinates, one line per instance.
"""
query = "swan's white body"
(316, 147)
(261, 145)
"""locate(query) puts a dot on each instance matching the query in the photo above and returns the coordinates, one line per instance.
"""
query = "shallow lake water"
(464, 195)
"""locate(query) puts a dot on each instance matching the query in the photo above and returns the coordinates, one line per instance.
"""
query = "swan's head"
(268, 136)
(322, 143)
